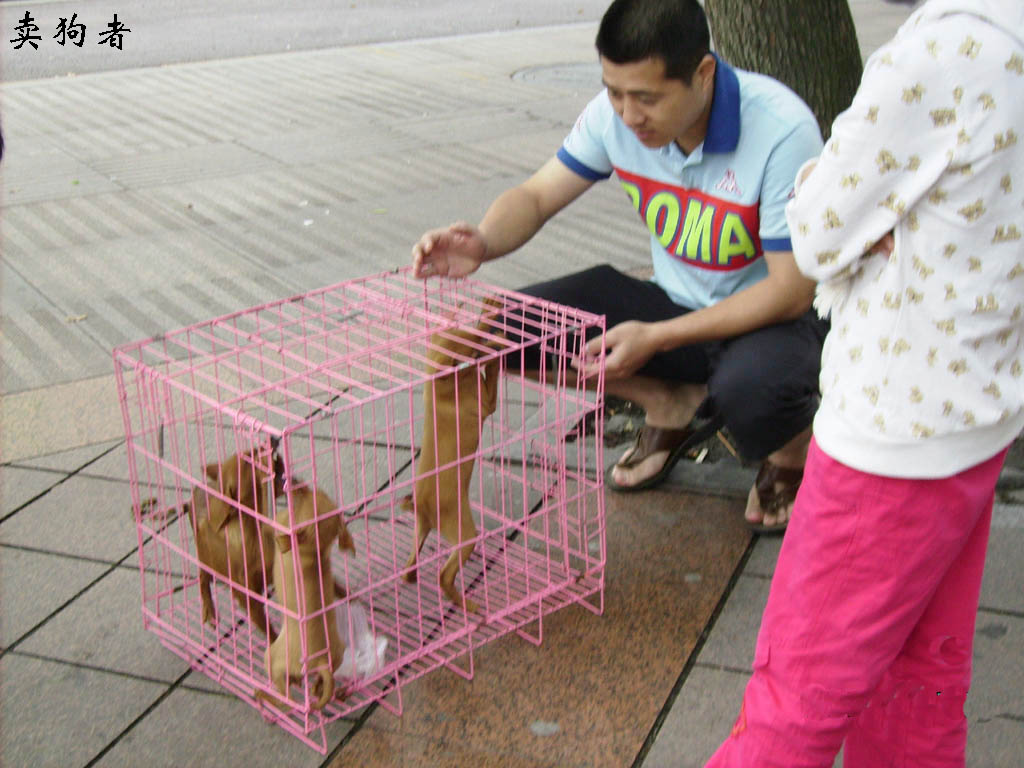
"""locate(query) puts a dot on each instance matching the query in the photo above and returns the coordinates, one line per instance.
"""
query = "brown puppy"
(234, 543)
(309, 564)
(455, 407)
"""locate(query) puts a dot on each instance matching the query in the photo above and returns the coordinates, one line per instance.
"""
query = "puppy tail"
(325, 686)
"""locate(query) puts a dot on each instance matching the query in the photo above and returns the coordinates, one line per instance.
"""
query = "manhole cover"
(579, 75)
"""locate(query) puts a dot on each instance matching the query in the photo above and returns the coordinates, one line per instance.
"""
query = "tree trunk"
(810, 45)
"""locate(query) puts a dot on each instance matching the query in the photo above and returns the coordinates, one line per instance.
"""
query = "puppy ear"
(284, 542)
(220, 512)
(212, 471)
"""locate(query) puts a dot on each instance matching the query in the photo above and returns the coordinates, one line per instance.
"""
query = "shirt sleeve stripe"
(778, 244)
(579, 168)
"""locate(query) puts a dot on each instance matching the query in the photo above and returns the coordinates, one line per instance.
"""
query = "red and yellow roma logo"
(704, 231)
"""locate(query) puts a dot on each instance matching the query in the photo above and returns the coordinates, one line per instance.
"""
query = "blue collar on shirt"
(724, 123)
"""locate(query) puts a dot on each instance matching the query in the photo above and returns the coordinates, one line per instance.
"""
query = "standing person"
(867, 636)
(707, 154)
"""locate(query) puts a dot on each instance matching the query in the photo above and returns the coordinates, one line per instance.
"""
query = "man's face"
(657, 109)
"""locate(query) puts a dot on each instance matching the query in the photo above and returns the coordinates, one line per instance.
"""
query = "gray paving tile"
(192, 728)
(199, 682)
(83, 516)
(763, 558)
(180, 164)
(732, 640)
(56, 714)
(1002, 587)
(347, 139)
(86, 460)
(103, 628)
(15, 291)
(44, 344)
(702, 716)
(130, 288)
(997, 688)
(46, 172)
(32, 586)
(995, 743)
(699, 722)
(19, 486)
(725, 477)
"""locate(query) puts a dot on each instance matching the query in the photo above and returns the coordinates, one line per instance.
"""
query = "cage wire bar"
(317, 402)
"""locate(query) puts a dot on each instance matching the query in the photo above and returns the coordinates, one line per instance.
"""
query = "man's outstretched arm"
(512, 219)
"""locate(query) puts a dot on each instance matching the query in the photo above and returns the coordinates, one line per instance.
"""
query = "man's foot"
(770, 501)
(669, 409)
(654, 453)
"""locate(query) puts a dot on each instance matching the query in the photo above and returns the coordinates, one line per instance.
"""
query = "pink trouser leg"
(869, 623)
(917, 710)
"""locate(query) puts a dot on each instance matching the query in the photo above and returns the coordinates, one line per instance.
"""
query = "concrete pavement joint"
(70, 556)
(118, 673)
(156, 703)
(68, 476)
(357, 726)
(62, 606)
(1001, 612)
(722, 668)
(691, 661)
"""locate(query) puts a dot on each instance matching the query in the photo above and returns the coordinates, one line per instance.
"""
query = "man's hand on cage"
(454, 251)
(628, 346)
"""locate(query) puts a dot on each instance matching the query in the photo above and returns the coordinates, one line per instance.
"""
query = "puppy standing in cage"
(455, 406)
(229, 538)
(305, 586)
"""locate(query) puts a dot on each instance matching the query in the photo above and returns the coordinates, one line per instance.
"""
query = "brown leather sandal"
(773, 499)
(653, 439)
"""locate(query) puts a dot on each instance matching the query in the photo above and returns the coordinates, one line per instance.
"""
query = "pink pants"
(869, 626)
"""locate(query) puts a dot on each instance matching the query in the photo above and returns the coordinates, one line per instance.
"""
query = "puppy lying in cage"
(229, 538)
(455, 407)
(306, 566)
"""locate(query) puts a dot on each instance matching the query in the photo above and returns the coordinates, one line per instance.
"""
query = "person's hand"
(454, 251)
(806, 170)
(628, 346)
(885, 246)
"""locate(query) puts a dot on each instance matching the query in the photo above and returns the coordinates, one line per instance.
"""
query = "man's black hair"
(676, 31)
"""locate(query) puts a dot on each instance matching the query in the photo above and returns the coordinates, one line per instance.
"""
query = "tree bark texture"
(810, 45)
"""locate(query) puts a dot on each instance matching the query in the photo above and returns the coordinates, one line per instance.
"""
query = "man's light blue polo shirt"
(713, 213)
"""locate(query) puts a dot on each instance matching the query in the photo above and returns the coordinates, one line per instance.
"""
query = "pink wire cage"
(324, 391)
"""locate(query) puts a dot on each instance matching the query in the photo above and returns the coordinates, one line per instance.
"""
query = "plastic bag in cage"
(364, 653)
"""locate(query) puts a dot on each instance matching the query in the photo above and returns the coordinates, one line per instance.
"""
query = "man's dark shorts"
(764, 384)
